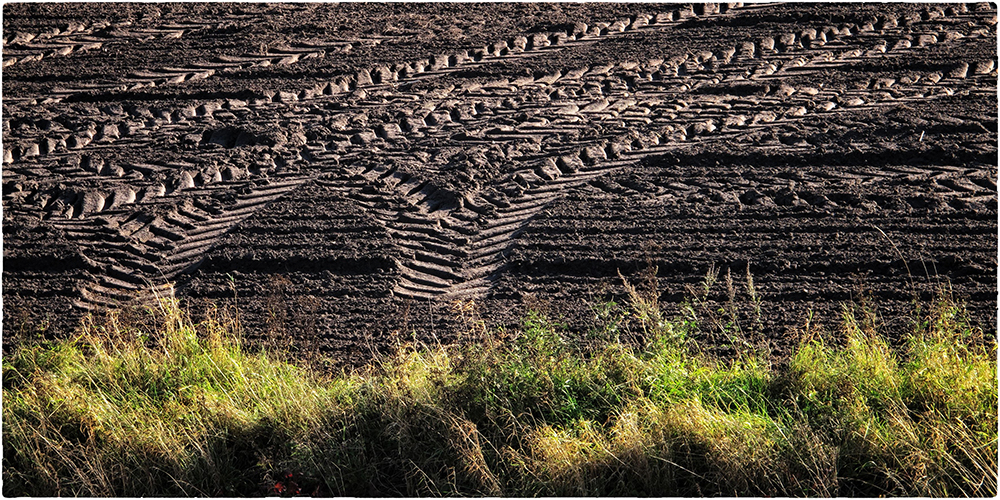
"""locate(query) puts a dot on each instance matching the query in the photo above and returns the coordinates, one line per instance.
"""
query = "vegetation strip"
(149, 402)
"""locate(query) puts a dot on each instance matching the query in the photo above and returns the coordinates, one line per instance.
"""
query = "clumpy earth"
(344, 174)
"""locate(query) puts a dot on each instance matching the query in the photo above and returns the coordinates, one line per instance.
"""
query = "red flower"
(291, 487)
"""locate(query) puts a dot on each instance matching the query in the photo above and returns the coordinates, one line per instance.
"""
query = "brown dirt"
(347, 172)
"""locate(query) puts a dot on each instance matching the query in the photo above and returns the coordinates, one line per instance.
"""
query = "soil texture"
(346, 173)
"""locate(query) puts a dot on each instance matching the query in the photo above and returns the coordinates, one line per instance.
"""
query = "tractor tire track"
(548, 169)
(457, 159)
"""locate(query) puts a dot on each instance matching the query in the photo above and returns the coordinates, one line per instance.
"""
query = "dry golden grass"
(147, 402)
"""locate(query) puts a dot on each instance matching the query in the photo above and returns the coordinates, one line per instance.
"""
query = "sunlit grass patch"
(148, 402)
(146, 412)
(918, 422)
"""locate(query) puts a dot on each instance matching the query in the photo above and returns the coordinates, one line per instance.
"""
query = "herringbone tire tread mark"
(424, 285)
(25, 47)
(455, 249)
(91, 201)
(427, 274)
(381, 76)
(759, 67)
(763, 68)
(516, 48)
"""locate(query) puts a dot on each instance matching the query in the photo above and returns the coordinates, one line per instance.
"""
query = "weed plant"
(150, 403)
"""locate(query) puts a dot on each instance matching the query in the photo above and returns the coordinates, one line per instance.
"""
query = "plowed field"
(341, 172)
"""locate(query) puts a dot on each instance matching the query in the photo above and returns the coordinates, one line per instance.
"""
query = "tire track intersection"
(469, 181)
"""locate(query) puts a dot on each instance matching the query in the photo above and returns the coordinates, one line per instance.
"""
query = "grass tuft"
(148, 402)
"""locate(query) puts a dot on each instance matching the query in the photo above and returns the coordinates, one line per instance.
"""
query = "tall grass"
(149, 402)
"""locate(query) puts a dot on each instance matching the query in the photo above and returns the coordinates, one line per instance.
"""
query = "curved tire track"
(455, 168)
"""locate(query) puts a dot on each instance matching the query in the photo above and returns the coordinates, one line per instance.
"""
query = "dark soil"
(345, 173)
